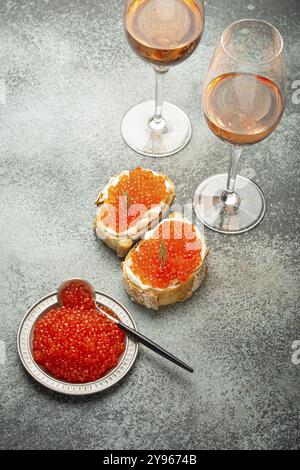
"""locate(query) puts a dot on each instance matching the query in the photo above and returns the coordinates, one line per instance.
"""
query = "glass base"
(212, 212)
(156, 143)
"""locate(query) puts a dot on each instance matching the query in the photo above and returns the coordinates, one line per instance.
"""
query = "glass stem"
(229, 197)
(157, 123)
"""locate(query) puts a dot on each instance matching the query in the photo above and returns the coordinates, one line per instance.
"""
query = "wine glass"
(243, 102)
(162, 33)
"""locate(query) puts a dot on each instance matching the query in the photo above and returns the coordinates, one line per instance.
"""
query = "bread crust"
(155, 298)
(121, 244)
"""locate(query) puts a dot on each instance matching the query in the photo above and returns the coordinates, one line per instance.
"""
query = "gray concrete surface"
(67, 77)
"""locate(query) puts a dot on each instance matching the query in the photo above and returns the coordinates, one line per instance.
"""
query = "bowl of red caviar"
(73, 348)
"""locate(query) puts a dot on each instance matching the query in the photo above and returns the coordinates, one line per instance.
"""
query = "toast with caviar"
(168, 265)
(129, 205)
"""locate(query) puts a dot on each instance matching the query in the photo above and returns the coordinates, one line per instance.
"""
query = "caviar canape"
(168, 266)
(75, 342)
(129, 205)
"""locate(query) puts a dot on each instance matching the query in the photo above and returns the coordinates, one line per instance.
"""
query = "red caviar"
(132, 196)
(76, 343)
(77, 295)
(173, 254)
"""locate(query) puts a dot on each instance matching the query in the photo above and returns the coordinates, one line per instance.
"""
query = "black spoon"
(129, 331)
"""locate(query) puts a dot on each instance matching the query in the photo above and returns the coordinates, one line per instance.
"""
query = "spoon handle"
(151, 345)
(146, 341)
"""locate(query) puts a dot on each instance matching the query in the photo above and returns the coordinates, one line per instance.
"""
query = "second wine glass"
(162, 33)
(243, 102)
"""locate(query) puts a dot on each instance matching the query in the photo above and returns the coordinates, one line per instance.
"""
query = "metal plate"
(25, 338)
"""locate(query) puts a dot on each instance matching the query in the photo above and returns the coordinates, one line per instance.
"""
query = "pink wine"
(164, 32)
(242, 108)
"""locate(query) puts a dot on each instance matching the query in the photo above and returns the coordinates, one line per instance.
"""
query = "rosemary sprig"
(162, 254)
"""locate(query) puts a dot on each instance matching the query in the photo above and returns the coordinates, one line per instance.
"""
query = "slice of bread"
(122, 241)
(155, 297)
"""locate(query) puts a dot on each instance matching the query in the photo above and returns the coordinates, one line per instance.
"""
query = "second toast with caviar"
(129, 205)
(168, 265)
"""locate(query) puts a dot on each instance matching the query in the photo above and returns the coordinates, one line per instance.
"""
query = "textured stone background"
(69, 77)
